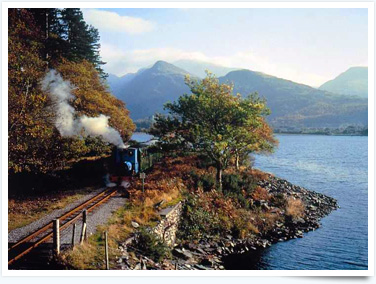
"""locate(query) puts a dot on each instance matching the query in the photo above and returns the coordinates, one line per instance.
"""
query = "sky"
(309, 46)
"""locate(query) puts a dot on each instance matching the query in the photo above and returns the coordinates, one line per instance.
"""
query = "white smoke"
(60, 92)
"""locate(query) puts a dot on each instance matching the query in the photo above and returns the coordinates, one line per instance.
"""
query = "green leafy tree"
(215, 123)
(255, 135)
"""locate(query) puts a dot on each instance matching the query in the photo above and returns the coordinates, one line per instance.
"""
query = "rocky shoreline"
(209, 252)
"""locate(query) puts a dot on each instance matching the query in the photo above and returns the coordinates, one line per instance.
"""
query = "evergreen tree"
(49, 22)
(83, 40)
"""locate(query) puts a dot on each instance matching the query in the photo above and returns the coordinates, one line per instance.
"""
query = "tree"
(49, 23)
(65, 34)
(34, 143)
(83, 39)
(29, 128)
(214, 122)
(255, 135)
(92, 97)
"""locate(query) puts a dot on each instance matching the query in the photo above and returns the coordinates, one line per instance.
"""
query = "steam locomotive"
(127, 162)
(130, 162)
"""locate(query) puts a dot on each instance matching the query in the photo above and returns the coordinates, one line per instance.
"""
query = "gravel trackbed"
(96, 217)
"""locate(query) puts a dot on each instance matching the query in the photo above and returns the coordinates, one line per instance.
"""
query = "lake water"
(141, 137)
(336, 166)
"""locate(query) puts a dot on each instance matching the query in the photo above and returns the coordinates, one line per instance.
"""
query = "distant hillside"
(198, 68)
(292, 104)
(146, 91)
(352, 82)
(298, 105)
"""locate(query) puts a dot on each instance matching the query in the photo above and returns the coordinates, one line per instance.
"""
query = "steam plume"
(60, 92)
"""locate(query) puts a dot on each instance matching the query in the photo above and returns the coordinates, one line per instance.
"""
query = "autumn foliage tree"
(28, 127)
(34, 144)
(214, 122)
(92, 97)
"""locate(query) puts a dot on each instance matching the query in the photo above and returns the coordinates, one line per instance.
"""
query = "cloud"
(121, 62)
(113, 22)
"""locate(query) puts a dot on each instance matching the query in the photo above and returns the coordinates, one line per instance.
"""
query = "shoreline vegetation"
(252, 211)
(144, 125)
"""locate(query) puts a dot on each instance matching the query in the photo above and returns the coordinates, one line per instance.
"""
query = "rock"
(182, 254)
(206, 261)
(159, 204)
(137, 267)
(135, 224)
(201, 267)
(200, 250)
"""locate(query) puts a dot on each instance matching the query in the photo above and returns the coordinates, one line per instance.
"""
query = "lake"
(336, 166)
(141, 137)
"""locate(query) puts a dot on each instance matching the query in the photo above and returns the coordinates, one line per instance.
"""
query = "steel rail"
(66, 215)
(112, 192)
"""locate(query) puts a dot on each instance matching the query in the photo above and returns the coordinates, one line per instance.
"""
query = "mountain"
(198, 68)
(352, 82)
(292, 104)
(146, 91)
(116, 84)
(298, 105)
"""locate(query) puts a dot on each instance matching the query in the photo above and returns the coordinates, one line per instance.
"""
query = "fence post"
(106, 250)
(56, 236)
(83, 231)
(73, 234)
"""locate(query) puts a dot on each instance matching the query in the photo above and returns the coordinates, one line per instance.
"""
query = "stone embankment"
(208, 253)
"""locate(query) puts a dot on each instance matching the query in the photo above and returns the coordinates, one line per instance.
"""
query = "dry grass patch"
(22, 212)
(261, 193)
(295, 208)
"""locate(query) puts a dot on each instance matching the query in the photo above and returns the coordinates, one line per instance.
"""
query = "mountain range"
(354, 81)
(292, 104)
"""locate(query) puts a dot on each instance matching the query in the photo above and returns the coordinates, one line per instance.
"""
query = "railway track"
(26, 245)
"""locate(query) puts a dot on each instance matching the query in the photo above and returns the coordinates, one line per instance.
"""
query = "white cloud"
(121, 62)
(113, 22)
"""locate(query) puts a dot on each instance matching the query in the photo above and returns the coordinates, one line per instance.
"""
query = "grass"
(24, 211)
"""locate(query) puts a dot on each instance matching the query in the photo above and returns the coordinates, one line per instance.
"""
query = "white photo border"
(221, 5)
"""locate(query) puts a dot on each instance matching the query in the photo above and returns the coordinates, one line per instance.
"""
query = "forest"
(41, 40)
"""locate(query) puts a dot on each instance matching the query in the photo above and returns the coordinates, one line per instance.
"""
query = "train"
(130, 162)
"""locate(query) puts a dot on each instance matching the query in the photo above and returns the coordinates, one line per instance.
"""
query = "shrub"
(204, 162)
(195, 220)
(202, 215)
(238, 187)
(206, 181)
(243, 225)
(260, 193)
(278, 200)
(151, 246)
(295, 208)
(232, 183)
(265, 221)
